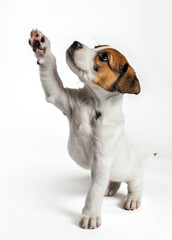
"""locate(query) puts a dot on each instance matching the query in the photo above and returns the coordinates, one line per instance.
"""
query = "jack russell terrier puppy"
(97, 140)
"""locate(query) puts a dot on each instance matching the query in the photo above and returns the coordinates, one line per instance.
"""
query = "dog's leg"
(135, 188)
(112, 188)
(91, 213)
(54, 91)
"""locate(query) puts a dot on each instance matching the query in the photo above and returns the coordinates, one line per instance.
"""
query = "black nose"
(76, 45)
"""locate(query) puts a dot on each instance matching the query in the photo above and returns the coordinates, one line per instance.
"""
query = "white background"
(41, 190)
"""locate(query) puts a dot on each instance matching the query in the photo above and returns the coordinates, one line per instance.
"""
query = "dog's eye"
(103, 57)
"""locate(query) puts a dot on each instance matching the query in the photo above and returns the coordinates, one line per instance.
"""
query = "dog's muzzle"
(75, 46)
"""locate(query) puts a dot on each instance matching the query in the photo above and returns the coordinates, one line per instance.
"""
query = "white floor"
(42, 192)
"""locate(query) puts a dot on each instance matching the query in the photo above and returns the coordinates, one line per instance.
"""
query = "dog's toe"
(88, 222)
(133, 202)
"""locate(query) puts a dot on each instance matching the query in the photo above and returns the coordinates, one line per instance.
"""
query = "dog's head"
(103, 66)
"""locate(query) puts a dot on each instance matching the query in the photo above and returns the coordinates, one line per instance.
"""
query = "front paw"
(90, 221)
(39, 43)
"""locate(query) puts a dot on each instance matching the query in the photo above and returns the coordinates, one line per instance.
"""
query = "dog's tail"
(149, 158)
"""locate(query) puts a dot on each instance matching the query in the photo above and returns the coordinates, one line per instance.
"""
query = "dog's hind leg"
(135, 188)
(112, 188)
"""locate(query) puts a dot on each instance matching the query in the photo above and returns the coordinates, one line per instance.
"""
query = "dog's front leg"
(91, 213)
(55, 93)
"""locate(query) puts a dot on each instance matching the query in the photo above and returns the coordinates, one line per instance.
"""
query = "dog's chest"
(82, 138)
(92, 121)
(92, 130)
(86, 120)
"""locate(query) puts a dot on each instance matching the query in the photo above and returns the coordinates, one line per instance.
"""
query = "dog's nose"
(76, 45)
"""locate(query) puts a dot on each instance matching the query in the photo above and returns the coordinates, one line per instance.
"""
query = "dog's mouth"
(70, 57)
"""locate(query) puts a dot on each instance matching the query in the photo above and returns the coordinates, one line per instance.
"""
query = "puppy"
(97, 140)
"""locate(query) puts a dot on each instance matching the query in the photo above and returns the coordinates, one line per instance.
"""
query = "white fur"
(99, 145)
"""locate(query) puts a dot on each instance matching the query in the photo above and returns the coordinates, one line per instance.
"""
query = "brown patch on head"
(128, 83)
(113, 72)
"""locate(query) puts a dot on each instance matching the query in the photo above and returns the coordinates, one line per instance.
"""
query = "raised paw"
(133, 201)
(39, 43)
(89, 222)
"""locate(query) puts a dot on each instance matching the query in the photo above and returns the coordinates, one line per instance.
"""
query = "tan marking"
(107, 75)
(129, 83)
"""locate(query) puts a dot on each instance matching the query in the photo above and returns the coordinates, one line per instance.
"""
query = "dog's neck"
(102, 96)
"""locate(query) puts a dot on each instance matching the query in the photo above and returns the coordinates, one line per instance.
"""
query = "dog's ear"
(127, 81)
